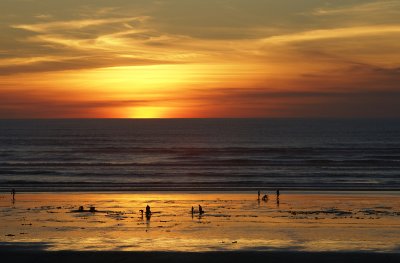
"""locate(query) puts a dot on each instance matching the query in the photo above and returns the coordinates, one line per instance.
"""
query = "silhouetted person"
(148, 212)
(259, 194)
(265, 198)
(141, 212)
(277, 193)
(13, 193)
(192, 210)
(201, 210)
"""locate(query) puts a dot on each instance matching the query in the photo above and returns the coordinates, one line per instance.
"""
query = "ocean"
(199, 154)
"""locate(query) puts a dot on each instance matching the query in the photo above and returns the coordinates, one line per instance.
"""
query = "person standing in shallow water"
(148, 212)
(277, 197)
(13, 193)
(201, 210)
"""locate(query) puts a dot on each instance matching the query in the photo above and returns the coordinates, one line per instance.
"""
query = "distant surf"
(199, 154)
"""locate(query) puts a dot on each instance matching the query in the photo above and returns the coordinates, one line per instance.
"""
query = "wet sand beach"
(301, 221)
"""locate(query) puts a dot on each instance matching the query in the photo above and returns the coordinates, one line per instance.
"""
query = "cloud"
(76, 24)
(149, 35)
(92, 43)
(358, 90)
(97, 43)
(259, 102)
(48, 64)
(366, 8)
(84, 35)
(334, 33)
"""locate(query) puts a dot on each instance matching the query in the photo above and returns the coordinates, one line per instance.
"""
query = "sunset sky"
(191, 58)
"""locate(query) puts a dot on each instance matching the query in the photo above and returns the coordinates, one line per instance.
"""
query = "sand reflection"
(234, 221)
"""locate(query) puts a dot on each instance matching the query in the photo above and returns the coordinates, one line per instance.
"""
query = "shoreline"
(248, 193)
(197, 190)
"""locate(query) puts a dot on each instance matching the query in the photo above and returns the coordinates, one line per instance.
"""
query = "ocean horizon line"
(212, 118)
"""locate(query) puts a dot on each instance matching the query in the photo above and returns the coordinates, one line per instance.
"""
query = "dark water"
(202, 154)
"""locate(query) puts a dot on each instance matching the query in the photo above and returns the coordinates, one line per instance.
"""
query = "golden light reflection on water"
(314, 222)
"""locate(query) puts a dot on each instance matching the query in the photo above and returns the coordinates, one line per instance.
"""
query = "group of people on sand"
(265, 197)
(147, 212)
(200, 211)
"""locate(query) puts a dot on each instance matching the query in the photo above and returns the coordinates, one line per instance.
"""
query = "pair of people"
(91, 209)
(201, 211)
(148, 212)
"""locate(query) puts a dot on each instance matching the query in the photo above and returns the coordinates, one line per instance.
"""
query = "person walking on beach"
(13, 193)
(259, 194)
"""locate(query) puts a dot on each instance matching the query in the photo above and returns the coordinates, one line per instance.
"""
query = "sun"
(148, 112)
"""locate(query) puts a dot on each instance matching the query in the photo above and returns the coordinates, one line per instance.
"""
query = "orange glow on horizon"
(148, 112)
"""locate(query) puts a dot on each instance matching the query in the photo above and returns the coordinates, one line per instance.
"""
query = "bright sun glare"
(147, 112)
